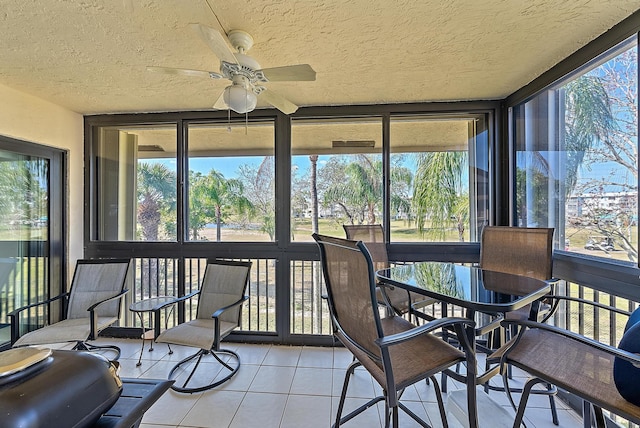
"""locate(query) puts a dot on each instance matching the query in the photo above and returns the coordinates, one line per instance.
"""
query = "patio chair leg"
(200, 354)
(343, 395)
(352, 367)
(387, 416)
(415, 417)
(523, 400)
(552, 405)
(215, 355)
(586, 414)
(443, 413)
(394, 415)
(600, 422)
(444, 382)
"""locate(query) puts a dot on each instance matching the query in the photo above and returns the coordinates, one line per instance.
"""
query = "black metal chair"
(220, 300)
(394, 351)
(92, 304)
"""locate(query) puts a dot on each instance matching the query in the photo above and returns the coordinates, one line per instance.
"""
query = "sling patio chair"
(220, 300)
(603, 376)
(92, 304)
(399, 300)
(526, 251)
(395, 352)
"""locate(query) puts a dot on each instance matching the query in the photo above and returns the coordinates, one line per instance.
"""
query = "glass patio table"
(152, 306)
(485, 296)
(470, 287)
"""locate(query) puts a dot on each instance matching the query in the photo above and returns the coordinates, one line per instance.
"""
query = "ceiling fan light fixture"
(240, 99)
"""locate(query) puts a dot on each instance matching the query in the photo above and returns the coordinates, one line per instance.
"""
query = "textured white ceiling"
(91, 55)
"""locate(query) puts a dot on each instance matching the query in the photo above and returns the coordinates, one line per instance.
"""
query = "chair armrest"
(13, 315)
(108, 299)
(558, 298)
(176, 300)
(523, 324)
(216, 324)
(92, 312)
(588, 302)
(219, 312)
(44, 302)
(423, 329)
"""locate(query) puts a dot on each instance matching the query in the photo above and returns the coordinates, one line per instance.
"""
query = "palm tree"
(156, 196)
(588, 118)
(218, 197)
(439, 193)
(360, 194)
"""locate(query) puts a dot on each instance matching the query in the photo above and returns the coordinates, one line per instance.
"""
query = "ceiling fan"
(244, 72)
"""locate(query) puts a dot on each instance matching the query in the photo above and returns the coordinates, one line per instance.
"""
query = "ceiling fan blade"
(278, 101)
(301, 72)
(216, 42)
(186, 72)
(220, 104)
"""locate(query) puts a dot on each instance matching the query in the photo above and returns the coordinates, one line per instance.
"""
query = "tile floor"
(291, 386)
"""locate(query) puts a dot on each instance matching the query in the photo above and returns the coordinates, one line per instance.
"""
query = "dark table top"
(466, 286)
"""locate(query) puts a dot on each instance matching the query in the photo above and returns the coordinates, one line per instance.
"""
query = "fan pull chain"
(228, 120)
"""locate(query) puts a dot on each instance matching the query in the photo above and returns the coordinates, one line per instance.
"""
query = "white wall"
(28, 118)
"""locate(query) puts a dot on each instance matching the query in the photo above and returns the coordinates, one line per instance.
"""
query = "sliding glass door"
(31, 233)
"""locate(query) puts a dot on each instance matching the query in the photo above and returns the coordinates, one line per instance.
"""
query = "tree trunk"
(316, 286)
(314, 193)
(218, 224)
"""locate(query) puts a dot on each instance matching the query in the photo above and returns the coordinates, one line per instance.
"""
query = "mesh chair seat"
(196, 333)
(408, 359)
(69, 330)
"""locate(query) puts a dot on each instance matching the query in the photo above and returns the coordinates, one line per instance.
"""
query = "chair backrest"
(348, 274)
(373, 237)
(96, 280)
(224, 282)
(526, 251)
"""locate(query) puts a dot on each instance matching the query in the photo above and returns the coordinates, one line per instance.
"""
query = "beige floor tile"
(157, 426)
(307, 411)
(312, 381)
(538, 419)
(242, 379)
(282, 356)
(170, 409)
(273, 379)
(214, 409)
(260, 410)
(316, 357)
(252, 354)
(159, 370)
